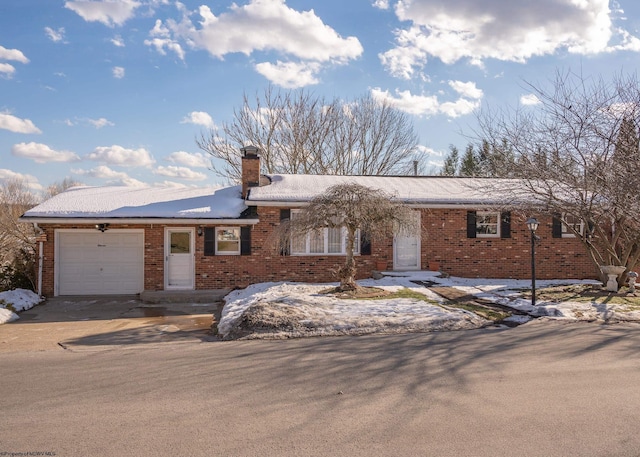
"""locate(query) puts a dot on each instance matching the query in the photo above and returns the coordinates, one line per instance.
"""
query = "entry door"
(406, 250)
(179, 259)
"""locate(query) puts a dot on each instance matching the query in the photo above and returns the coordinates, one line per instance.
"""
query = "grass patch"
(362, 293)
(482, 311)
(374, 293)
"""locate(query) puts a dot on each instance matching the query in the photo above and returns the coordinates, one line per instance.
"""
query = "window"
(487, 224)
(571, 225)
(180, 242)
(323, 241)
(227, 240)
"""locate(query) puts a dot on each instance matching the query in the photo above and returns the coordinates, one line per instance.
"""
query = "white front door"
(406, 250)
(179, 258)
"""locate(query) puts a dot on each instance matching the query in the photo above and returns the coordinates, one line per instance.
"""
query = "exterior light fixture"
(102, 227)
(532, 224)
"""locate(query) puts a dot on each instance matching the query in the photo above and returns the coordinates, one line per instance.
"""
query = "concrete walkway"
(98, 323)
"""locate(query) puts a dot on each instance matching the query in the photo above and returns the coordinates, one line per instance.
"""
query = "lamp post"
(532, 224)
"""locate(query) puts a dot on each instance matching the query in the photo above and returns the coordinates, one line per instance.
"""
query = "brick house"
(117, 240)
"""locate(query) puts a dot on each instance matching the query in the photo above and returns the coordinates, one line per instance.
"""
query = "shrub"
(21, 273)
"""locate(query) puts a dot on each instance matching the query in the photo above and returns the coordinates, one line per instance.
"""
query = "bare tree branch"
(300, 133)
(578, 154)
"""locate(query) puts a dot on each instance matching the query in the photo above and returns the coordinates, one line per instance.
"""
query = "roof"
(419, 190)
(155, 204)
(141, 203)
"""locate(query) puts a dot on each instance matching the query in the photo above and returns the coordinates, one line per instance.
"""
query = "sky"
(116, 92)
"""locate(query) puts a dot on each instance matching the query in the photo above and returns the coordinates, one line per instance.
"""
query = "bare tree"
(16, 239)
(351, 207)
(577, 154)
(60, 186)
(300, 133)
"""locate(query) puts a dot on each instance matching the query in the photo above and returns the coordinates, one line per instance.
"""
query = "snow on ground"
(20, 300)
(284, 310)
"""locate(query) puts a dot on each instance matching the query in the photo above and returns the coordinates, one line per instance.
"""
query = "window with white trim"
(488, 224)
(571, 225)
(227, 240)
(330, 241)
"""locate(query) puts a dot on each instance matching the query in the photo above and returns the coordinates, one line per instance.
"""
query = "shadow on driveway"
(89, 323)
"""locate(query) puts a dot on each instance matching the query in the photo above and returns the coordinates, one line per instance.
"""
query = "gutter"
(434, 205)
(150, 220)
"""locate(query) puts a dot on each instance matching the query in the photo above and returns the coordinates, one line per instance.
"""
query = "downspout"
(40, 260)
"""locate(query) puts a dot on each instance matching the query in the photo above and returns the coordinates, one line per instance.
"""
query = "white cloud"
(381, 4)
(55, 35)
(99, 123)
(529, 99)
(468, 89)
(429, 105)
(113, 177)
(7, 69)
(10, 175)
(188, 159)
(405, 101)
(290, 75)
(117, 41)
(12, 54)
(199, 118)
(17, 125)
(41, 153)
(451, 30)
(118, 72)
(173, 184)
(108, 12)
(117, 155)
(173, 171)
(459, 107)
(260, 25)
(161, 39)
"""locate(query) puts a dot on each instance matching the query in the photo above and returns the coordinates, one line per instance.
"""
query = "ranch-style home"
(122, 240)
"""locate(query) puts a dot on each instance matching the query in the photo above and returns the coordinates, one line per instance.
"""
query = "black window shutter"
(556, 226)
(285, 215)
(245, 240)
(365, 244)
(505, 224)
(471, 224)
(209, 241)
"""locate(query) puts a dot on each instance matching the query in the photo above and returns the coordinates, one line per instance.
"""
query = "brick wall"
(444, 242)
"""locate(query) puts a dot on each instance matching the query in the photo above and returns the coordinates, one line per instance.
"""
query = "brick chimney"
(250, 169)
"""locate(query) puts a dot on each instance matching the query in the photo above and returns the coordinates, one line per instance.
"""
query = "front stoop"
(183, 296)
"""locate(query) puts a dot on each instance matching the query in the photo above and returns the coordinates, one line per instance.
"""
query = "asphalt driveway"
(97, 323)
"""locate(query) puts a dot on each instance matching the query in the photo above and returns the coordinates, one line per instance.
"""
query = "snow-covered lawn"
(19, 300)
(285, 310)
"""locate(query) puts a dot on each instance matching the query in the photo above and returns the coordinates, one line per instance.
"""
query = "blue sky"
(116, 91)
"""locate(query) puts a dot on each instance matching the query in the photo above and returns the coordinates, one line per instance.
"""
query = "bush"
(21, 273)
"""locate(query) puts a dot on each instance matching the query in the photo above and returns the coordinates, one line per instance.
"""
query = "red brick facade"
(444, 246)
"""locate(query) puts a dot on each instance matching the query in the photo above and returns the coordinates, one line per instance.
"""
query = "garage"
(91, 262)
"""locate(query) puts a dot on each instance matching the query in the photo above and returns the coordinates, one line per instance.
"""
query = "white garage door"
(97, 263)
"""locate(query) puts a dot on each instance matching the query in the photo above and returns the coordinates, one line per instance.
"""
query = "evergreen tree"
(450, 167)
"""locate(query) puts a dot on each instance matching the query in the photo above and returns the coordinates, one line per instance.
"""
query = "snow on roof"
(142, 202)
(434, 190)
